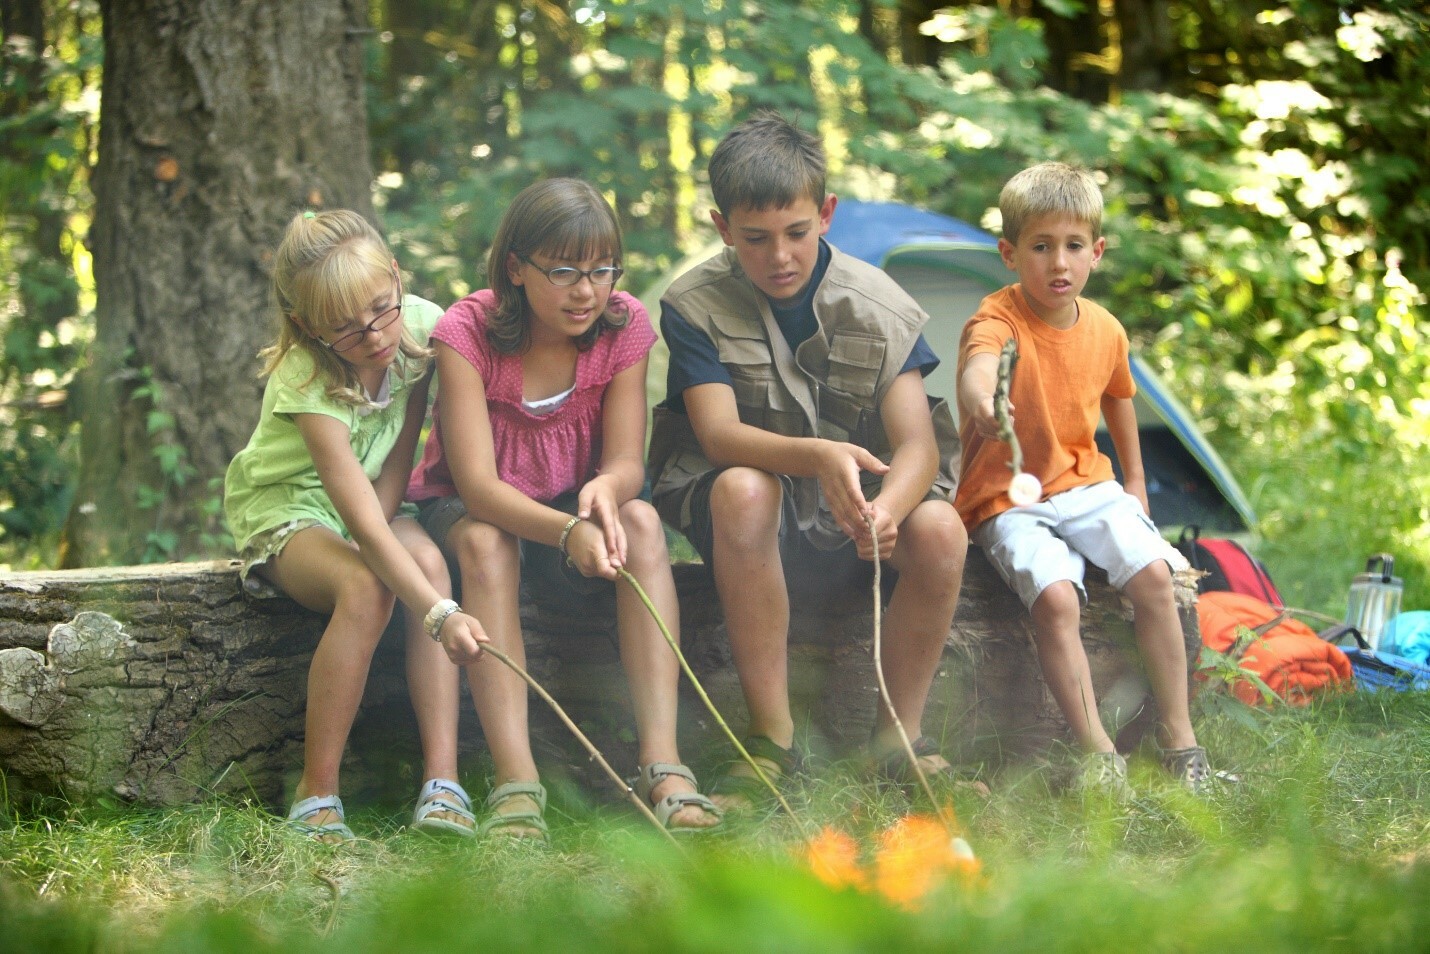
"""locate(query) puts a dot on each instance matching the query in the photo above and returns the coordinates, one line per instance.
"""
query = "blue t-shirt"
(694, 358)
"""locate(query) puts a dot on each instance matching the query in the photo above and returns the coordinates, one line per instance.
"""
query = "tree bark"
(219, 120)
(164, 684)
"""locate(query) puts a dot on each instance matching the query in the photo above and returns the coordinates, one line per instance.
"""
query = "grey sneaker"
(1189, 766)
(1105, 772)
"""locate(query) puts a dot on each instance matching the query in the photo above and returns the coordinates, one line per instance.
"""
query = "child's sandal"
(311, 807)
(652, 775)
(739, 783)
(524, 818)
(894, 767)
(441, 795)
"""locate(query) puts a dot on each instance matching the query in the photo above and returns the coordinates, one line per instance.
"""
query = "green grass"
(1325, 845)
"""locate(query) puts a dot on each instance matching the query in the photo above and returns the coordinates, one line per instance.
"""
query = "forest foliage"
(1265, 173)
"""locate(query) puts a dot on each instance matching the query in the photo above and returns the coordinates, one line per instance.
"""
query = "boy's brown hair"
(1050, 188)
(766, 162)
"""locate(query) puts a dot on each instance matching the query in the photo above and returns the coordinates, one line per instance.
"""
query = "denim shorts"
(545, 574)
(1037, 546)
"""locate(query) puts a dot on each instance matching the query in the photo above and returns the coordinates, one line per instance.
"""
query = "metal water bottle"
(1374, 599)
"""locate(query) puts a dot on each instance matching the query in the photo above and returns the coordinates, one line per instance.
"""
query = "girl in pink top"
(534, 464)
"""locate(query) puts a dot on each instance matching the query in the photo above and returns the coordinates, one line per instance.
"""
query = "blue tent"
(948, 266)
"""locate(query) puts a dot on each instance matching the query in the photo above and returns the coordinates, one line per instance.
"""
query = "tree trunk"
(163, 684)
(219, 120)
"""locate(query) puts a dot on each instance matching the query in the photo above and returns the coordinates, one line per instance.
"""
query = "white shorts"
(1035, 547)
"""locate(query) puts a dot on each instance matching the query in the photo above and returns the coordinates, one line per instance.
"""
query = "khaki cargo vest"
(831, 387)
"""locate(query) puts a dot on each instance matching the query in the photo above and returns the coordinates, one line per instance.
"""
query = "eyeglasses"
(380, 322)
(564, 275)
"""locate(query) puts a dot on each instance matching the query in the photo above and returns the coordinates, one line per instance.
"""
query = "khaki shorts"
(1034, 547)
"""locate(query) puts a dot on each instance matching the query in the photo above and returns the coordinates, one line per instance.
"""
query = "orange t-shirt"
(1058, 386)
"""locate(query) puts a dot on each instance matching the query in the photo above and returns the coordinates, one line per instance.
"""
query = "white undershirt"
(547, 405)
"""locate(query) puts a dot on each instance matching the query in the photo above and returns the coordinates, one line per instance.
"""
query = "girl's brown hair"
(324, 273)
(564, 219)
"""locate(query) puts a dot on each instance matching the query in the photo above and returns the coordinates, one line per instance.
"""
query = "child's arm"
(1121, 419)
(391, 482)
(621, 471)
(975, 394)
(470, 450)
(909, 427)
(357, 502)
(729, 443)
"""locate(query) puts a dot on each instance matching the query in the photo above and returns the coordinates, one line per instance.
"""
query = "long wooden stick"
(1007, 361)
(1024, 489)
(590, 747)
(884, 695)
(700, 690)
(945, 812)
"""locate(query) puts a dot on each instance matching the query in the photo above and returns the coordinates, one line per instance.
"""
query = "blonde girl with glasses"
(315, 503)
(534, 469)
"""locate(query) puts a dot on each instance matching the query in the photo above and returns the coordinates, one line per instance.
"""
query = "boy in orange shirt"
(1073, 363)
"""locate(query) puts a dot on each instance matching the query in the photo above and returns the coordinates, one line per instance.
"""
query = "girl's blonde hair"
(565, 219)
(324, 274)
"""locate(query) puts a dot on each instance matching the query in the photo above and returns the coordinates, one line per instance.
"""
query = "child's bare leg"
(929, 556)
(325, 573)
(745, 514)
(651, 667)
(491, 579)
(1158, 628)
(432, 680)
(1057, 613)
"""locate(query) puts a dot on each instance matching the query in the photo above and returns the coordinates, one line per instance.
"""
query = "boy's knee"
(746, 498)
(936, 531)
(1058, 603)
(1151, 583)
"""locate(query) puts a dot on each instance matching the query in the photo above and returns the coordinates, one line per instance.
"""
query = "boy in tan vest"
(795, 410)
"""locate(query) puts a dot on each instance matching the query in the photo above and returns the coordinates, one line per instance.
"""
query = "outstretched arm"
(975, 394)
(729, 443)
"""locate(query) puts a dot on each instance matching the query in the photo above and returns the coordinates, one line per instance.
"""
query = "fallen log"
(164, 684)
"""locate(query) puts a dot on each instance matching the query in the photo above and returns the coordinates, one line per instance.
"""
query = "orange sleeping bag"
(1288, 656)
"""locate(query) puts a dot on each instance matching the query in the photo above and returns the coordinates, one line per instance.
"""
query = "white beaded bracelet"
(437, 615)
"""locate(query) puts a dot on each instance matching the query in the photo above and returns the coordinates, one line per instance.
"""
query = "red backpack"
(1229, 567)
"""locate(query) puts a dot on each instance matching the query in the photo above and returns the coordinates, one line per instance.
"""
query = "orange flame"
(915, 856)
(833, 856)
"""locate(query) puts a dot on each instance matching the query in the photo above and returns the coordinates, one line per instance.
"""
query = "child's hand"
(597, 502)
(586, 548)
(886, 534)
(985, 418)
(837, 471)
(462, 638)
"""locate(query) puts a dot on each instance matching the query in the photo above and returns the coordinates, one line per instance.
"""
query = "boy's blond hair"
(1050, 188)
(766, 162)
